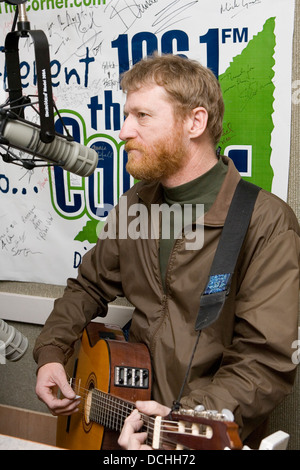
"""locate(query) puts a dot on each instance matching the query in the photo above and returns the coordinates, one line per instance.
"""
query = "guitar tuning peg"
(228, 415)
(199, 408)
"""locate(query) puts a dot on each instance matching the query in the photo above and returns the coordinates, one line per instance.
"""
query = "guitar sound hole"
(90, 385)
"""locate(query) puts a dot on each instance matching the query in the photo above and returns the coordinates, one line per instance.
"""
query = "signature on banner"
(170, 14)
(237, 6)
(19, 236)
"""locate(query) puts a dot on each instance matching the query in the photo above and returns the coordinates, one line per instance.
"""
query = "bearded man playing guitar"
(242, 360)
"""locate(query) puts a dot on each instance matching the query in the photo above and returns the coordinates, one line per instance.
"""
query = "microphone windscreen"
(13, 344)
(71, 155)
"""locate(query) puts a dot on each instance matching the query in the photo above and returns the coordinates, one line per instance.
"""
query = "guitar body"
(107, 365)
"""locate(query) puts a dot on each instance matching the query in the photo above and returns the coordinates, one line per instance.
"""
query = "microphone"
(13, 344)
(69, 154)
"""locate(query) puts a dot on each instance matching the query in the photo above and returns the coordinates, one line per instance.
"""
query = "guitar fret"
(109, 411)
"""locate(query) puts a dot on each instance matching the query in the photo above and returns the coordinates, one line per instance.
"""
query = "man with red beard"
(163, 142)
(242, 362)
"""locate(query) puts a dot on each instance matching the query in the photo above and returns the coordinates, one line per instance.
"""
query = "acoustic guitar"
(110, 374)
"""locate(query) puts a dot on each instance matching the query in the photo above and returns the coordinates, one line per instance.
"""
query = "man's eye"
(142, 115)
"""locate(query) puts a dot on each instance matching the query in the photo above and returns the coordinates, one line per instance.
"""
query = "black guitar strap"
(224, 262)
(230, 243)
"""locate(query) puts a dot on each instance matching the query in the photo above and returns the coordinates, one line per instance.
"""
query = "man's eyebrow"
(137, 109)
(134, 110)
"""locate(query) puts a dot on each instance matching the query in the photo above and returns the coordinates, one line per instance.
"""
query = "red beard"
(160, 160)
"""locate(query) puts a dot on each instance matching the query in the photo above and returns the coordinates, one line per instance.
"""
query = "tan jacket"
(243, 361)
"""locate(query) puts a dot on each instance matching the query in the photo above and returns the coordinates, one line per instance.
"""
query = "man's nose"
(127, 131)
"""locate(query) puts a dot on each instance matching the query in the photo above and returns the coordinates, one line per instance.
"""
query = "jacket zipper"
(153, 337)
(165, 296)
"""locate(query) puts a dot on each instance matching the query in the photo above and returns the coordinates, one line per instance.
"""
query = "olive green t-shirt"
(202, 190)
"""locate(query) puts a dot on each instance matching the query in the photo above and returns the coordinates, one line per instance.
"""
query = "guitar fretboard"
(109, 411)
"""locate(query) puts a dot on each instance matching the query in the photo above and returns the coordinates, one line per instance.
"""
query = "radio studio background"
(50, 217)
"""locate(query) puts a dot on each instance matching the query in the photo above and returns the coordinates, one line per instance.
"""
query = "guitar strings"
(105, 405)
(113, 402)
(108, 403)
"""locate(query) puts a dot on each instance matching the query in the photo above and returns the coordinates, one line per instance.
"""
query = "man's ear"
(198, 122)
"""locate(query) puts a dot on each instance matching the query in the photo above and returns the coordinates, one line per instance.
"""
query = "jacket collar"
(217, 214)
(152, 193)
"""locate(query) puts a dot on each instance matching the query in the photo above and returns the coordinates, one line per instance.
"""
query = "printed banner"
(49, 216)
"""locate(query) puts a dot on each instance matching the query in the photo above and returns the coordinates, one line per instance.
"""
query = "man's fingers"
(130, 437)
(66, 388)
(151, 407)
(136, 442)
(52, 377)
(132, 425)
(61, 406)
(64, 406)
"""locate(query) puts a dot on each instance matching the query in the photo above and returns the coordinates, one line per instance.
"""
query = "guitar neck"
(183, 431)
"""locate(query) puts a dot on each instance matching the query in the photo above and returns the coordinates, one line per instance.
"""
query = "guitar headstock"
(204, 430)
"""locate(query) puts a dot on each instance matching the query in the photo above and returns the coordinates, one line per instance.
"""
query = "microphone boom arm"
(43, 142)
(42, 57)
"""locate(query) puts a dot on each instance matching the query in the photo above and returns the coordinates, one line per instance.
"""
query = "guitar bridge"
(131, 377)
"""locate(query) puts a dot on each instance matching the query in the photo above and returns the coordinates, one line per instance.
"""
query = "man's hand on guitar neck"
(51, 378)
(130, 437)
